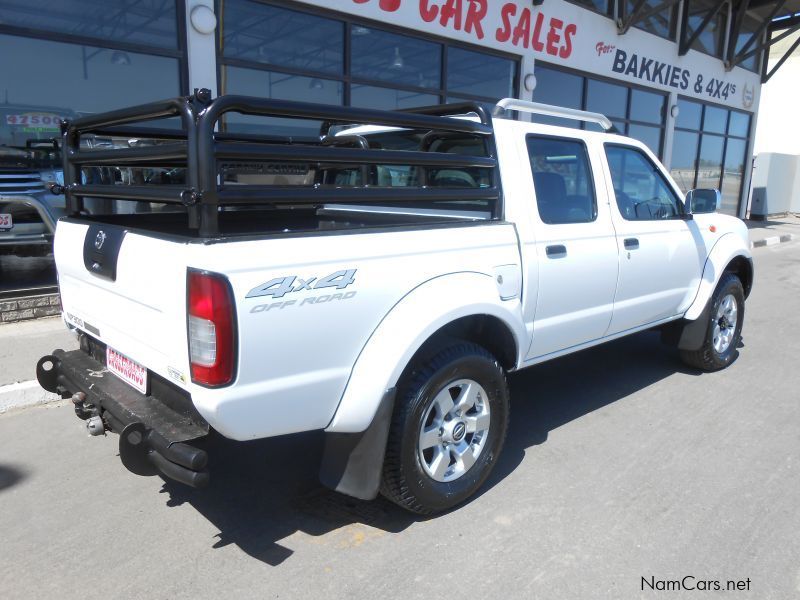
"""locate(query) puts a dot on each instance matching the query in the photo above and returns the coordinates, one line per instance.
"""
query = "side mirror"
(701, 201)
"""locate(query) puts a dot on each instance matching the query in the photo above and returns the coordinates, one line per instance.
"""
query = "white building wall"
(776, 177)
(776, 182)
(778, 130)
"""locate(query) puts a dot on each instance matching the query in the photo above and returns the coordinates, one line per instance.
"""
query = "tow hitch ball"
(95, 426)
(89, 413)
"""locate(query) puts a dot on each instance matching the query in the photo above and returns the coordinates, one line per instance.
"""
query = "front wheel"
(448, 428)
(724, 329)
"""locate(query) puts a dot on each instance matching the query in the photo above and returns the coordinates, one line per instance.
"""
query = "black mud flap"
(352, 462)
(687, 335)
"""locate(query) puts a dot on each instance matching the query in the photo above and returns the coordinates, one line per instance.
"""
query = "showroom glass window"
(661, 23)
(634, 111)
(268, 50)
(750, 25)
(604, 7)
(76, 60)
(712, 37)
(709, 150)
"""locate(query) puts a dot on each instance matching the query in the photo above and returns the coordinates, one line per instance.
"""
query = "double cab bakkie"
(376, 279)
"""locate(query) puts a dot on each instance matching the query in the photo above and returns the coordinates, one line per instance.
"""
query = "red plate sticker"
(126, 369)
(6, 222)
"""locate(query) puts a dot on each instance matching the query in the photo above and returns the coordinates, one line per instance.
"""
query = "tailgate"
(127, 290)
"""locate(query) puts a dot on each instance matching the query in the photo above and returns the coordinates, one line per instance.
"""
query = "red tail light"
(211, 328)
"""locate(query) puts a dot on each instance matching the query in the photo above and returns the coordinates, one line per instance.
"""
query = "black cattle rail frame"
(199, 149)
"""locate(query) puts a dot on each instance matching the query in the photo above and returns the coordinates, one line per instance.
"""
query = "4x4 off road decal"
(280, 286)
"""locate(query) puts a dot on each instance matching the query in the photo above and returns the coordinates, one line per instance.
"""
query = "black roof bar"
(328, 154)
(138, 155)
(174, 107)
(249, 194)
(144, 193)
(250, 105)
(458, 108)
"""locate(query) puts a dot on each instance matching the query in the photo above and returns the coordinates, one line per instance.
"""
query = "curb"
(24, 394)
(772, 241)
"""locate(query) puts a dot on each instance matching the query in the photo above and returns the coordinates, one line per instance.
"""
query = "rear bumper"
(153, 428)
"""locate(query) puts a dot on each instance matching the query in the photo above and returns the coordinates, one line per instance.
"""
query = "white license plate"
(6, 222)
(129, 371)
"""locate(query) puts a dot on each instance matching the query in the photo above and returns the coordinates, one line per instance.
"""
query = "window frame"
(608, 12)
(585, 78)
(590, 175)
(724, 14)
(671, 35)
(701, 132)
(681, 216)
(179, 53)
(346, 77)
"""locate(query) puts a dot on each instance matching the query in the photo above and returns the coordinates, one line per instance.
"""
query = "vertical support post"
(527, 67)
(747, 175)
(206, 167)
(70, 139)
(669, 130)
(201, 52)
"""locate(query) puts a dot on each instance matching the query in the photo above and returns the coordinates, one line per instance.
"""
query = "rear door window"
(562, 179)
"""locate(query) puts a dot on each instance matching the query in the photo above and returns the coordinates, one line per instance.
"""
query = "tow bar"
(152, 434)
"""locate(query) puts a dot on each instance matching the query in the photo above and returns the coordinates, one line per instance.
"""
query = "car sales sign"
(563, 34)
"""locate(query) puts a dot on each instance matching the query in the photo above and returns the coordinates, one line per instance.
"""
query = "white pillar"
(201, 47)
(526, 68)
(745, 194)
(669, 129)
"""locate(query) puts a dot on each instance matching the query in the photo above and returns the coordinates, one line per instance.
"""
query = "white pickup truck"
(376, 281)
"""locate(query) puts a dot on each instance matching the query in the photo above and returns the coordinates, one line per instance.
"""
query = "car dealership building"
(683, 76)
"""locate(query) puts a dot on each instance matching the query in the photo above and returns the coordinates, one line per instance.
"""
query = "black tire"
(404, 479)
(706, 358)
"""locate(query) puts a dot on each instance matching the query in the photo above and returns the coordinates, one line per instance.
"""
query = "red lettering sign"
(427, 12)
(603, 48)
(387, 5)
(475, 14)
(556, 42)
(550, 35)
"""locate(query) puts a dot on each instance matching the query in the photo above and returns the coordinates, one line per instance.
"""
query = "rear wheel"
(448, 428)
(724, 330)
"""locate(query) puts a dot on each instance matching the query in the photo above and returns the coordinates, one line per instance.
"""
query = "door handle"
(556, 251)
(631, 243)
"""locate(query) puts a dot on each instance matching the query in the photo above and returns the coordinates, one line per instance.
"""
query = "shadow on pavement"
(264, 491)
(9, 476)
(546, 396)
(771, 224)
